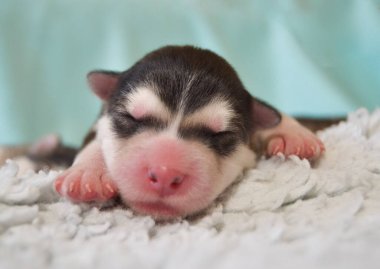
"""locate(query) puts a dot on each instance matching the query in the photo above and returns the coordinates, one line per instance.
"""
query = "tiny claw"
(71, 187)
(87, 186)
(58, 185)
(109, 188)
(276, 150)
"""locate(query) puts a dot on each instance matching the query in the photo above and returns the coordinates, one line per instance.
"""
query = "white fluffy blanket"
(285, 213)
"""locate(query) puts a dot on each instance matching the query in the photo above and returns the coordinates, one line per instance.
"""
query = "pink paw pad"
(80, 185)
(306, 146)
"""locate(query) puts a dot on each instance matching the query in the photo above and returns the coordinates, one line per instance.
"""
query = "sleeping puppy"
(176, 129)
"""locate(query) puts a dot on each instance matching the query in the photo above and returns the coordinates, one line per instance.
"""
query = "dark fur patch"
(191, 78)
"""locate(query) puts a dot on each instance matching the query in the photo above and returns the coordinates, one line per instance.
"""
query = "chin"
(161, 210)
(158, 210)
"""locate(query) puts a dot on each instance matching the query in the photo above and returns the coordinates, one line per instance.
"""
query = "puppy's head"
(176, 129)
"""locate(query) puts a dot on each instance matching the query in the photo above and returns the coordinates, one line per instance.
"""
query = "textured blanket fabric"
(286, 213)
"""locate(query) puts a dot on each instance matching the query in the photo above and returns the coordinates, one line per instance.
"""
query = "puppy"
(176, 129)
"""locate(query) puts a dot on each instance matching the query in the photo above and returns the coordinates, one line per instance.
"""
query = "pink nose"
(164, 180)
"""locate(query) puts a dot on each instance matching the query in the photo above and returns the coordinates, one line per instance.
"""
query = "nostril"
(176, 182)
(152, 177)
(165, 181)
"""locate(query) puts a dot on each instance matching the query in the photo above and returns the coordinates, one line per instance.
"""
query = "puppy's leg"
(291, 138)
(87, 179)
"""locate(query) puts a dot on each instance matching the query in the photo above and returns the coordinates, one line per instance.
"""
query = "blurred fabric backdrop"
(306, 57)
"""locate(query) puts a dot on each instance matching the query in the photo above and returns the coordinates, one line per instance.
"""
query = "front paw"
(299, 141)
(86, 184)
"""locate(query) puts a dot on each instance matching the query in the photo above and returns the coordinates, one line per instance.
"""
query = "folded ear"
(103, 83)
(263, 115)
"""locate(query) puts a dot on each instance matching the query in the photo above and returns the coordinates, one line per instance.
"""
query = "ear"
(103, 83)
(263, 115)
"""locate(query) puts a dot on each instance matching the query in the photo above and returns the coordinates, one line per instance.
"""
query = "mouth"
(157, 210)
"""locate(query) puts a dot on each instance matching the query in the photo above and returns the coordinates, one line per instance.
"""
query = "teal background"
(306, 57)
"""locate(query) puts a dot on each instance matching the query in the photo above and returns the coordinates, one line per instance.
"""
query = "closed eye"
(126, 125)
(204, 132)
(223, 133)
(128, 116)
(222, 142)
(146, 121)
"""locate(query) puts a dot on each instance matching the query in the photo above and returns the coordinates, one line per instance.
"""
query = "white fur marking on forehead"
(215, 115)
(174, 126)
(144, 101)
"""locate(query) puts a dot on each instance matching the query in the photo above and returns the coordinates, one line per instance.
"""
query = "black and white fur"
(187, 102)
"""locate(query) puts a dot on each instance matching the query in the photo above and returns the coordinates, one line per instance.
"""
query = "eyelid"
(149, 121)
(204, 130)
(223, 132)
(142, 119)
(129, 116)
(215, 133)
